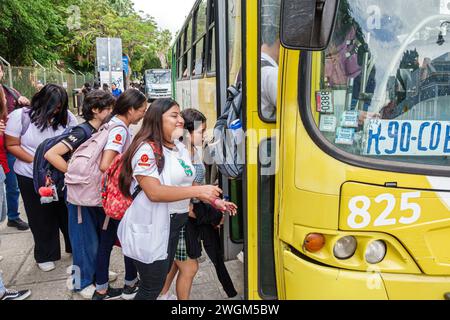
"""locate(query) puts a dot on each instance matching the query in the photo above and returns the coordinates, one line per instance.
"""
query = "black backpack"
(43, 169)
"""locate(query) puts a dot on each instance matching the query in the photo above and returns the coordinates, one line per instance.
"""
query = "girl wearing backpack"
(129, 109)
(47, 117)
(97, 106)
(203, 223)
(151, 227)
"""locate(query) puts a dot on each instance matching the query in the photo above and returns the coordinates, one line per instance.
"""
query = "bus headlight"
(345, 247)
(375, 252)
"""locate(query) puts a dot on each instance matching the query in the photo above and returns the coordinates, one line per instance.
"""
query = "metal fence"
(28, 80)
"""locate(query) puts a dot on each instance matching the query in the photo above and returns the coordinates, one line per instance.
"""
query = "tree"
(122, 7)
(29, 30)
(163, 46)
(64, 32)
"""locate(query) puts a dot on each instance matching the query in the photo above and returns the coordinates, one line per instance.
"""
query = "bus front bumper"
(307, 280)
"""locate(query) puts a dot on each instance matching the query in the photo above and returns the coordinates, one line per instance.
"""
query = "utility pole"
(45, 70)
(84, 76)
(74, 77)
(62, 75)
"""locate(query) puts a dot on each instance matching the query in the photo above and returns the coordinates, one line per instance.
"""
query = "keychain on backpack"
(48, 193)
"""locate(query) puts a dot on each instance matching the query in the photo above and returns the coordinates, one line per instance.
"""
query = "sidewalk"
(21, 272)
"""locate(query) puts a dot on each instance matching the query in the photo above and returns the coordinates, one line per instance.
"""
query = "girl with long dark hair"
(203, 224)
(151, 227)
(47, 117)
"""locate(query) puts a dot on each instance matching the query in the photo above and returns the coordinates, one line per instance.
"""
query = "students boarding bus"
(346, 190)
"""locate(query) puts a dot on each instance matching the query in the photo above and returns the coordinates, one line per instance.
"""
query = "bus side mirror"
(307, 24)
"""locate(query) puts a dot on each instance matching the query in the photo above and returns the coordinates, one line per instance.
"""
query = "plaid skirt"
(181, 253)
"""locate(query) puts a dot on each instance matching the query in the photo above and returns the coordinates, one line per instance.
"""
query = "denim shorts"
(3, 207)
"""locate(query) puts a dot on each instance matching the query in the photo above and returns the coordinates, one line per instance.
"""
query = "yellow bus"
(346, 187)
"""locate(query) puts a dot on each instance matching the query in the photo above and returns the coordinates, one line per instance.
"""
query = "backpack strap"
(265, 63)
(106, 223)
(87, 131)
(25, 120)
(136, 192)
(233, 91)
(13, 93)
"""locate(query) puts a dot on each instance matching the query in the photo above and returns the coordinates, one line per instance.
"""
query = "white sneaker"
(87, 292)
(1, 258)
(112, 276)
(47, 266)
(240, 256)
(69, 283)
(167, 296)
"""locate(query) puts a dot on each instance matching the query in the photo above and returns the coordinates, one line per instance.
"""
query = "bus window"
(270, 52)
(212, 17)
(212, 51)
(177, 57)
(180, 68)
(197, 59)
(385, 85)
(189, 35)
(187, 52)
(211, 38)
(181, 58)
(186, 65)
(199, 32)
(234, 40)
(200, 20)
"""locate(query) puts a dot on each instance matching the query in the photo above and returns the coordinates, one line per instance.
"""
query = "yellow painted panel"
(307, 281)
(418, 218)
(199, 94)
(437, 241)
(411, 287)
(251, 53)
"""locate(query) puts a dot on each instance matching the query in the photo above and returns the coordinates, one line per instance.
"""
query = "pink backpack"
(83, 178)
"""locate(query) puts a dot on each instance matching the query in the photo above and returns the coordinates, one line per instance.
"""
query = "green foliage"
(64, 32)
(122, 7)
(29, 30)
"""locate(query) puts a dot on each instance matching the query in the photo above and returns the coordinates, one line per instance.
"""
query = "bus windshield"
(385, 82)
(158, 77)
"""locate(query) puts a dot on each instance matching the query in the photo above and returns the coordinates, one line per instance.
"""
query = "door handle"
(447, 296)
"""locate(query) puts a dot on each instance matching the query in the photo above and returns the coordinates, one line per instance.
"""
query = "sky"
(169, 14)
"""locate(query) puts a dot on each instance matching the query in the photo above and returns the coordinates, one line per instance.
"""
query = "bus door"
(261, 93)
(228, 64)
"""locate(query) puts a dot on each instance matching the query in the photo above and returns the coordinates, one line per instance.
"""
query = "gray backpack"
(227, 152)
